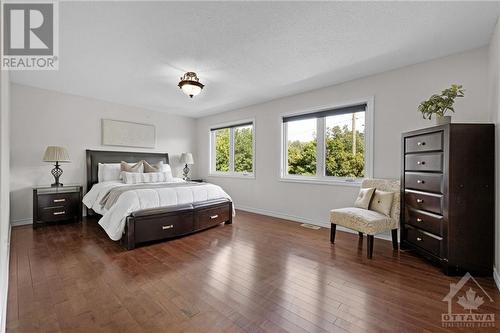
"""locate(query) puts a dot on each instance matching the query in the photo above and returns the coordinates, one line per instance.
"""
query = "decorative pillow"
(382, 202)
(364, 197)
(108, 171)
(157, 167)
(128, 167)
(150, 177)
(168, 170)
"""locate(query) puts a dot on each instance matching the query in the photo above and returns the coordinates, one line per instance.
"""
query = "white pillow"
(150, 177)
(167, 169)
(364, 197)
(108, 171)
(382, 202)
(111, 171)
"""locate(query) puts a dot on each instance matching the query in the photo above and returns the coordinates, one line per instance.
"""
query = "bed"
(142, 214)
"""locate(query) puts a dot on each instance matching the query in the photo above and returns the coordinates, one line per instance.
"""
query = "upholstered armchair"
(369, 221)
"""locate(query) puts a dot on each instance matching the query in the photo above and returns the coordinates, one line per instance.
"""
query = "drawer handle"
(165, 227)
(421, 143)
(59, 200)
(420, 200)
(214, 217)
(59, 213)
(419, 181)
(419, 239)
(419, 219)
(421, 162)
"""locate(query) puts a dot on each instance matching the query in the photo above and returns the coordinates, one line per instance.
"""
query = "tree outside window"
(233, 149)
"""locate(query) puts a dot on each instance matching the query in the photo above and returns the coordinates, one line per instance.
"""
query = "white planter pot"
(443, 120)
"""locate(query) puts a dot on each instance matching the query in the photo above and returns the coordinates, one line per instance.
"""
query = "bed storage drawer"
(208, 217)
(150, 227)
(160, 223)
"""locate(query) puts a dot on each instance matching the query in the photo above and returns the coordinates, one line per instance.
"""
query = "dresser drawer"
(171, 225)
(424, 181)
(426, 221)
(56, 200)
(425, 142)
(206, 218)
(57, 213)
(424, 240)
(424, 201)
(424, 162)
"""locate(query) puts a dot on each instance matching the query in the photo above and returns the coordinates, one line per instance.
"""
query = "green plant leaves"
(440, 104)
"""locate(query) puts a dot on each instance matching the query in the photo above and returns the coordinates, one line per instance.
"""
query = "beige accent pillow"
(364, 198)
(382, 202)
(138, 167)
(157, 167)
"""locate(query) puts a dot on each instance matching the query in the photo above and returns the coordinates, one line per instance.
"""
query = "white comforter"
(113, 219)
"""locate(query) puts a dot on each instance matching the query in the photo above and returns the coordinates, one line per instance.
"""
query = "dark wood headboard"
(94, 157)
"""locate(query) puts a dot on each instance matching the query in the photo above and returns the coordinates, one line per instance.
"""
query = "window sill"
(318, 181)
(232, 175)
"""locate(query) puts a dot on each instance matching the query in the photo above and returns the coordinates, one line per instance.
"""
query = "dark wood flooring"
(259, 274)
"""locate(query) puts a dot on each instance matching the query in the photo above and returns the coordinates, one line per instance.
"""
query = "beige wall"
(494, 100)
(4, 192)
(396, 93)
(41, 117)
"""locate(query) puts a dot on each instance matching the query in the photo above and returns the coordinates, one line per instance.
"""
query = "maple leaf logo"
(470, 301)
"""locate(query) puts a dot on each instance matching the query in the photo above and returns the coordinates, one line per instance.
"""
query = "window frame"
(321, 177)
(212, 172)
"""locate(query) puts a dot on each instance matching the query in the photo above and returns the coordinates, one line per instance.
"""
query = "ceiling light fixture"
(190, 84)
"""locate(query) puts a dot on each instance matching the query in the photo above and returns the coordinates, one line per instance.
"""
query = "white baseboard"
(299, 219)
(496, 277)
(5, 287)
(16, 223)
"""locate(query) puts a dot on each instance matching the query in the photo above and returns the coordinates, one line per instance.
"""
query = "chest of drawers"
(52, 204)
(448, 196)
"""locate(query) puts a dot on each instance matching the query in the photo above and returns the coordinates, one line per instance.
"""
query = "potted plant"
(438, 105)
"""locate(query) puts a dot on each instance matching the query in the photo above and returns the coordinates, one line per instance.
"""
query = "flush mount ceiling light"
(190, 84)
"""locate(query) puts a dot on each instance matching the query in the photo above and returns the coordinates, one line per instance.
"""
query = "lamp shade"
(56, 154)
(187, 158)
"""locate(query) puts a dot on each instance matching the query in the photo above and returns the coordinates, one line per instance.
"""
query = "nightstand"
(53, 204)
(197, 180)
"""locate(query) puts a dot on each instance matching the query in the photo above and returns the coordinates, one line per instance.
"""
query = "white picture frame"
(127, 134)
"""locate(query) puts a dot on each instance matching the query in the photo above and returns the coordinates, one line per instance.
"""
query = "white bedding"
(113, 219)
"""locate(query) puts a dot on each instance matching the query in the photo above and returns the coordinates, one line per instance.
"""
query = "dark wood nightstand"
(197, 180)
(52, 204)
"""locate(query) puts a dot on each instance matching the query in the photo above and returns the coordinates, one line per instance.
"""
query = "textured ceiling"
(133, 53)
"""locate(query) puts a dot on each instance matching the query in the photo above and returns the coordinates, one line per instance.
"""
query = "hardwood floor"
(259, 274)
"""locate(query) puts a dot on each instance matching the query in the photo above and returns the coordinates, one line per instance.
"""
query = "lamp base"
(56, 172)
(185, 171)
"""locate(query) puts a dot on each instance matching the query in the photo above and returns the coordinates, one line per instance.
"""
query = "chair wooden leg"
(369, 246)
(360, 234)
(394, 233)
(332, 233)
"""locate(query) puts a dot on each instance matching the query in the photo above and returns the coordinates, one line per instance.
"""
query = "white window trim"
(322, 178)
(230, 174)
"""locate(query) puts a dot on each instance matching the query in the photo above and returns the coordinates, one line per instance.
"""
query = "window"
(302, 147)
(232, 150)
(327, 145)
